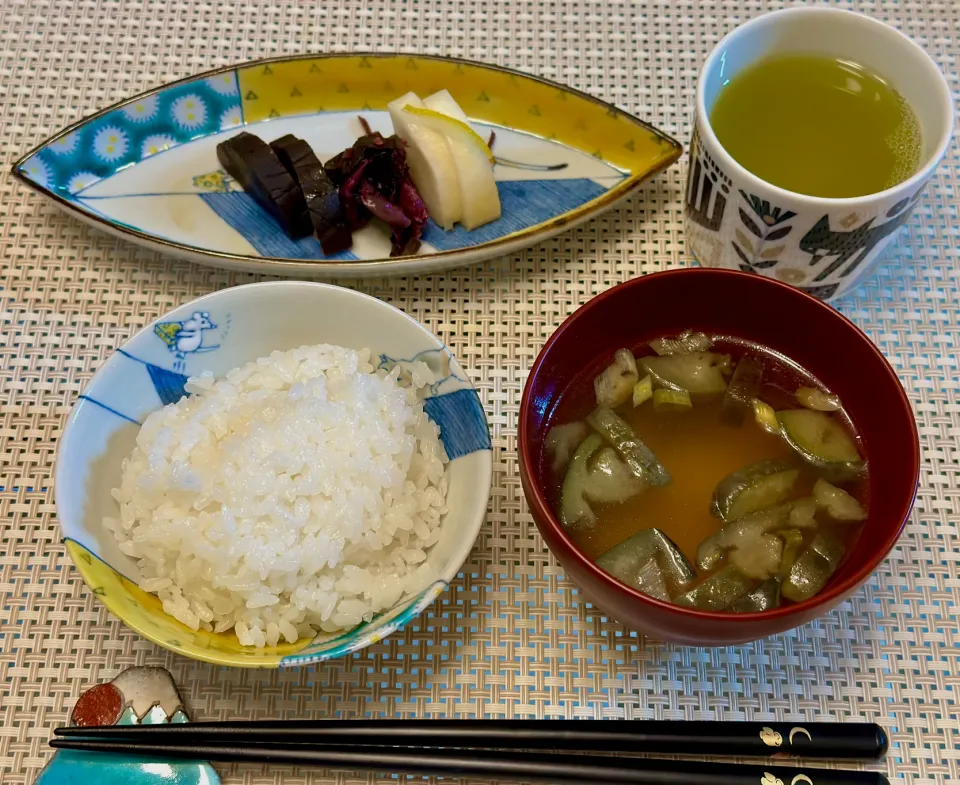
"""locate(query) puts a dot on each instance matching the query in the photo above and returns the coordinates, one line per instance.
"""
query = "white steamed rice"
(299, 493)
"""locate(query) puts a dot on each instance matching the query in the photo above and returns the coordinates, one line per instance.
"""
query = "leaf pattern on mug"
(791, 275)
(771, 216)
(824, 292)
(748, 222)
(779, 234)
(766, 225)
(742, 254)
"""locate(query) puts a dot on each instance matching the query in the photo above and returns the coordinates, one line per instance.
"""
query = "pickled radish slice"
(431, 163)
(479, 197)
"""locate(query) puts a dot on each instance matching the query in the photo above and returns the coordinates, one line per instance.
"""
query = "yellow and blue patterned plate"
(146, 169)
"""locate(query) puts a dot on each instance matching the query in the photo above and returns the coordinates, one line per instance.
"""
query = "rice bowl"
(240, 325)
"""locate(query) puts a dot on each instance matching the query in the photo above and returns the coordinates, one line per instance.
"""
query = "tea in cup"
(816, 131)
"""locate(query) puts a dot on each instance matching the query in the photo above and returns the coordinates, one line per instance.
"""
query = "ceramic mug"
(824, 246)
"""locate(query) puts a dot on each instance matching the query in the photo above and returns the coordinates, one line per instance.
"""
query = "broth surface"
(699, 450)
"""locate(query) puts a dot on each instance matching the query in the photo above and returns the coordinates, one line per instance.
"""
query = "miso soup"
(709, 472)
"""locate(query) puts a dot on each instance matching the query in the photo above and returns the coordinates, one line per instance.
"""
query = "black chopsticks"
(849, 741)
(494, 764)
(554, 751)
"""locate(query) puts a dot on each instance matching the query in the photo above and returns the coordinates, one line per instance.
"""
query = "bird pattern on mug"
(855, 245)
(835, 250)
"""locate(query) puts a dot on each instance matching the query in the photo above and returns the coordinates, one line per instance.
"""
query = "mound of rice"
(299, 493)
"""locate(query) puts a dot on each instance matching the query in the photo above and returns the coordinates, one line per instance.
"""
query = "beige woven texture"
(510, 639)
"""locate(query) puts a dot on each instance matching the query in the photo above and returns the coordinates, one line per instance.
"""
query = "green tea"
(818, 126)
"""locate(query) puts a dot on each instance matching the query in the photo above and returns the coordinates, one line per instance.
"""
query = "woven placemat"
(511, 638)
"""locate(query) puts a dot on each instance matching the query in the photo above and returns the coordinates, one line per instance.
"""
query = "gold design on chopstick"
(801, 731)
(770, 779)
(801, 778)
(770, 737)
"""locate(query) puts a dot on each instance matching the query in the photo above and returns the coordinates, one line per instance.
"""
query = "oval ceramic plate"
(146, 169)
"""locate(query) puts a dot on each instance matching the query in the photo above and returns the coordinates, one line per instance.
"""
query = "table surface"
(510, 638)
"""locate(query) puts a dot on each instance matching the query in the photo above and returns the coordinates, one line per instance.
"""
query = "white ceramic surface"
(226, 329)
(824, 246)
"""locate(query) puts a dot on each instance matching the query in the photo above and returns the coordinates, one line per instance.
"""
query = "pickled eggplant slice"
(818, 400)
(320, 194)
(839, 504)
(642, 391)
(688, 341)
(671, 401)
(641, 460)
(792, 542)
(753, 488)
(743, 389)
(717, 592)
(746, 530)
(763, 598)
(822, 442)
(609, 481)
(574, 508)
(650, 562)
(562, 441)
(251, 162)
(615, 385)
(699, 373)
(813, 569)
(759, 559)
(766, 416)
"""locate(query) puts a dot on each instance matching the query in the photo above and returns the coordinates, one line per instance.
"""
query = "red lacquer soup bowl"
(755, 309)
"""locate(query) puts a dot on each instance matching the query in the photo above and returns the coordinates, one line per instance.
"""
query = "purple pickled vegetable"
(413, 207)
(366, 148)
(374, 181)
(382, 208)
(411, 203)
(357, 215)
